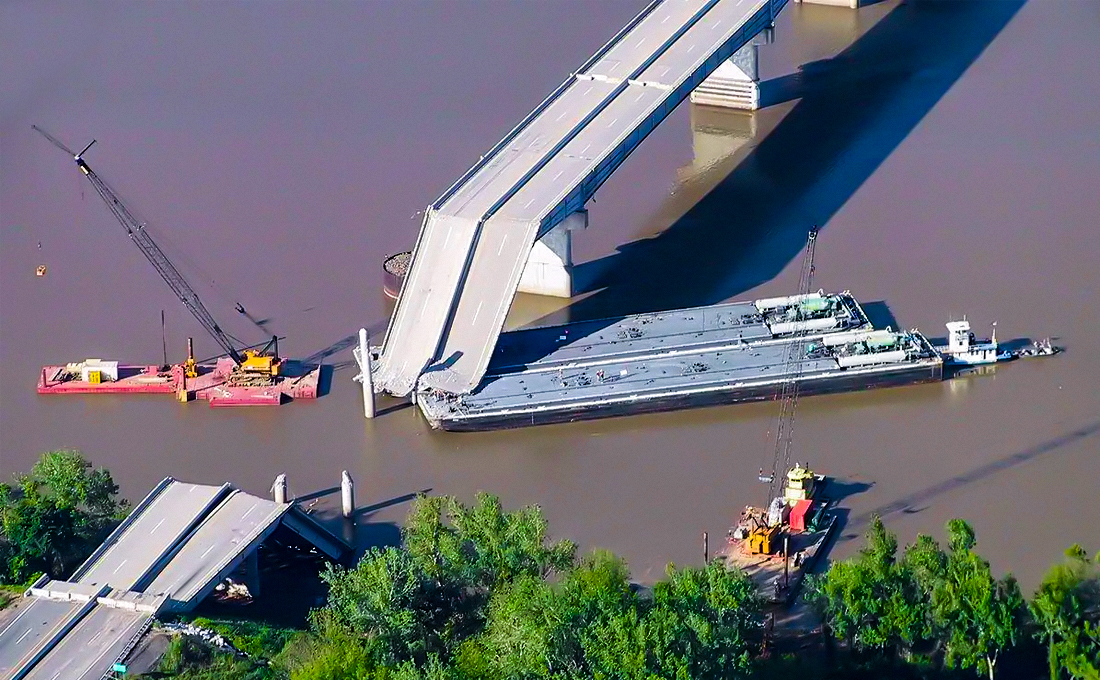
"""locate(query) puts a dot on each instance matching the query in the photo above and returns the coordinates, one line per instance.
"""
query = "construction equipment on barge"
(761, 544)
(243, 377)
(777, 546)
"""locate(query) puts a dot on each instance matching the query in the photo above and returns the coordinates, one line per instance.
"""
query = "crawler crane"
(253, 367)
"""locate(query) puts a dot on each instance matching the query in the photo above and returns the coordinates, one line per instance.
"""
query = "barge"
(776, 547)
(704, 356)
(215, 383)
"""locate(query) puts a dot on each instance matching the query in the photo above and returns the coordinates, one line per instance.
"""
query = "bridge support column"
(251, 569)
(549, 269)
(735, 84)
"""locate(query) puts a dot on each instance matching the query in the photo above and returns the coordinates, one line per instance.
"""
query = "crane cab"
(261, 363)
(802, 484)
(258, 363)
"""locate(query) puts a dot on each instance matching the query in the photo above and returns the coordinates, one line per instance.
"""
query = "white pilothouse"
(964, 350)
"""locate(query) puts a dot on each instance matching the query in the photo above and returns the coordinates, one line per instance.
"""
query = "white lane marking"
(207, 552)
(23, 636)
(103, 654)
(477, 311)
(95, 636)
(157, 526)
(667, 17)
(16, 619)
(504, 238)
(56, 675)
(612, 123)
(249, 512)
(119, 566)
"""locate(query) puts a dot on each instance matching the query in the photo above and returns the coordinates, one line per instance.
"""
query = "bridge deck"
(35, 625)
(153, 531)
(218, 543)
(92, 646)
(173, 549)
(477, 237)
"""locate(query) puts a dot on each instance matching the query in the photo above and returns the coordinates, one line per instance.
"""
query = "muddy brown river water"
(950, 152)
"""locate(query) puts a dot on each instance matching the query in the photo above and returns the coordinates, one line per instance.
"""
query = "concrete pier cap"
(549, 269)
(735, 84)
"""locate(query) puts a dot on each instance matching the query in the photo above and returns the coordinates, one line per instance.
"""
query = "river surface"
(949, 152)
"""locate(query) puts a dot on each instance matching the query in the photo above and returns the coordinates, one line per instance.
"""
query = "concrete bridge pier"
(251, 573)
(735, 84)
(549, 269)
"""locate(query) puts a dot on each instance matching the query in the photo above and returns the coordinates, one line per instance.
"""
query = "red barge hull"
(299, 381)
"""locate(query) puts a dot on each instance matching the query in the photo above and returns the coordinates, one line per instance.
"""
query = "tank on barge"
(704, 356)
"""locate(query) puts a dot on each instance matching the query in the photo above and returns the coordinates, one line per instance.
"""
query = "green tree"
(974, 615)
(872, 601)
(535, 629)
(702, 621)
(1062, 606)
(71, 482)
(481, 544)
(55, 517)
(421, 603)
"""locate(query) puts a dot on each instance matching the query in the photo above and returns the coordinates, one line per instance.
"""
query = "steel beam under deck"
(476, 238)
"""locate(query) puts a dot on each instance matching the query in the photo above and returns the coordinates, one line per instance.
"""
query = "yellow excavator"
(765, 533)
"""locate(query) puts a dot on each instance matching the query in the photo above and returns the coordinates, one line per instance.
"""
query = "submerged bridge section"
(476, 239)
(175, 547)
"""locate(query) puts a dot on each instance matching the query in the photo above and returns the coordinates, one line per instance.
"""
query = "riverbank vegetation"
(54, 517)
(477, 592)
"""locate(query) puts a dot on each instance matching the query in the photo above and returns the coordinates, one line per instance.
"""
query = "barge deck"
(683, 359)
(213, 384)
(779, 576)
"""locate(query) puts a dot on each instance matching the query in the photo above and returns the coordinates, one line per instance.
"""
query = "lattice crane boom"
(152, 252)
(788, 395)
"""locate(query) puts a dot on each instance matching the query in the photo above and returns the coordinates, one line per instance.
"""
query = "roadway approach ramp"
(476, 238)
(172, 550)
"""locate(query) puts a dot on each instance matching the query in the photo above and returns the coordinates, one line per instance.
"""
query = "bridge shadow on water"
(853, 111)
(921, 500)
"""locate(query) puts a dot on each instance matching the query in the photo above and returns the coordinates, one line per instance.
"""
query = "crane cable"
(178, 253)
(135, 229)
(788, 392)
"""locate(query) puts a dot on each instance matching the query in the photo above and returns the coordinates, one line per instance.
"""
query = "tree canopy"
(947, 604)
(478, 592)
(52, 518)
(872, 601)
(1067, 608)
